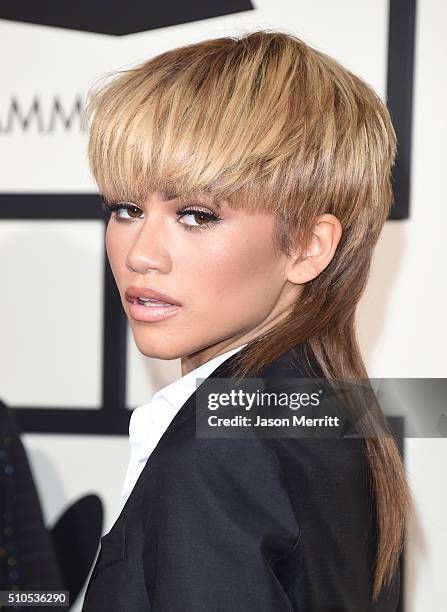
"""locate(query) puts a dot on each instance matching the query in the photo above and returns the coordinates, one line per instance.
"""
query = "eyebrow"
(167, 196)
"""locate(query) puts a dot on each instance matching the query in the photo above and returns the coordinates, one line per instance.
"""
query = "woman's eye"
(201, 219)
(195, 219)
(131, 211)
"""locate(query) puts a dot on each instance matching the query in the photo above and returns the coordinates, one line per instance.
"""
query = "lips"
(133, 293)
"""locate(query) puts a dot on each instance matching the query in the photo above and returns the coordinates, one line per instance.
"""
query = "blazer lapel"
(292, 363)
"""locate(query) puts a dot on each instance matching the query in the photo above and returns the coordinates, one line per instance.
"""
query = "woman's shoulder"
(321, 466)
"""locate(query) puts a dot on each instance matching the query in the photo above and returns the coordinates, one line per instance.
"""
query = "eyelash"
(185, 210)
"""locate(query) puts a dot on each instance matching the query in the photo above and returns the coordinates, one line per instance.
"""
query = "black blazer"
(243, 525)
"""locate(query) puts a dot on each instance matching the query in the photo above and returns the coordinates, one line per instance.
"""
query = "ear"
(303, 267)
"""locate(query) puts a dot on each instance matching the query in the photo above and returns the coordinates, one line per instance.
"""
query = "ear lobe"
(301, 271)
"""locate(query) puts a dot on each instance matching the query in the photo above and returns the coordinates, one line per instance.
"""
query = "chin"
(162, 349)
(161, 354)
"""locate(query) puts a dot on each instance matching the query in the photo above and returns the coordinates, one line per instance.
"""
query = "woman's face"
(221, 266)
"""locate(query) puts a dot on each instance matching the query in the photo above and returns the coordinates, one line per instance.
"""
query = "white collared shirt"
(149, 421)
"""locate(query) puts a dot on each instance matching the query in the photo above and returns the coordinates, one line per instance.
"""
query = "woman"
(248, 181)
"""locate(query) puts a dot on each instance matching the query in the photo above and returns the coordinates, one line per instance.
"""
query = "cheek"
(243, 270)
(115, 244)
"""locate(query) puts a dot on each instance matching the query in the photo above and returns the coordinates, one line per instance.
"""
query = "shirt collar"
(144, 418)
(177, 392)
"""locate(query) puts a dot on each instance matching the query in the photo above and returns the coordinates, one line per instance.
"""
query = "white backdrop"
(57, 351)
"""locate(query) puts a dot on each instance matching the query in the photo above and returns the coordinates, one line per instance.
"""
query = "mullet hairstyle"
(267, 123)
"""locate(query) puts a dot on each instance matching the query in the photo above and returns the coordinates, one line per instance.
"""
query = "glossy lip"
(153, 313)
(133, 293)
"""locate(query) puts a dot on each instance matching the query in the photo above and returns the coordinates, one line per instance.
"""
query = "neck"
(198, 358)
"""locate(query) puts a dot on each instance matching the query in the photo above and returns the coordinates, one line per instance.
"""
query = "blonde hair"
(267, 123)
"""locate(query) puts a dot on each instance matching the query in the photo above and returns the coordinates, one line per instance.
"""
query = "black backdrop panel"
(117, 18)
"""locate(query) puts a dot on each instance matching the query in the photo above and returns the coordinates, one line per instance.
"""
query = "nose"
(148, 250)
